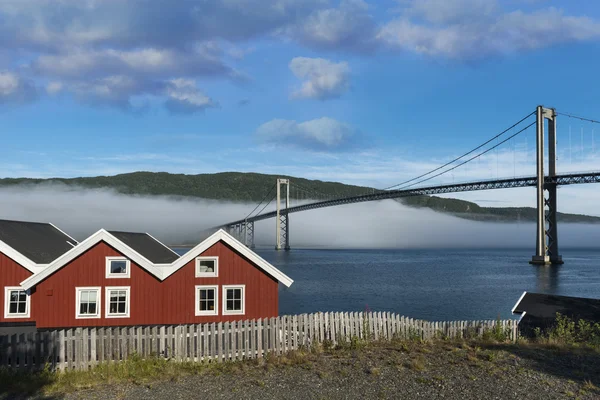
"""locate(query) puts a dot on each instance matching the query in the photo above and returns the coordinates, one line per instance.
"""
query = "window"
(87, 302)
(207, 267)
(16, 303)
(117, 267)
(233, 299)
(117, 302)
(207, 300)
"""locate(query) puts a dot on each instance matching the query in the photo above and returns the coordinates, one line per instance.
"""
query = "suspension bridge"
(544, 119)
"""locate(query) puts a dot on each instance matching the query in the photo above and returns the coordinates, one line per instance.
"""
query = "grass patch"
(417, 364)
(133, 370)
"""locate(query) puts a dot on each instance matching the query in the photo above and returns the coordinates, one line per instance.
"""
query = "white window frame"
(127, 289)
(236, 312)
(214, 274)
(127, 273)
(78, 291)
(7, 290)
(197, 307)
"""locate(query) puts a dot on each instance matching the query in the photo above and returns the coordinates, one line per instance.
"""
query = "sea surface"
(427, 284)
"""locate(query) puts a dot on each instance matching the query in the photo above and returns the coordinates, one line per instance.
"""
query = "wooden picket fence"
(83, 348)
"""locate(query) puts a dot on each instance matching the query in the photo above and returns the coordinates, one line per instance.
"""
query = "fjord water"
(436, 285)
(427, 284)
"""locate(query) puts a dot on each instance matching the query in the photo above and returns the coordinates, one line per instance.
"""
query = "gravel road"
(385, 371)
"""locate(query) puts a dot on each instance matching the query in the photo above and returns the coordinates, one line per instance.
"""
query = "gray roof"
(40, 242)
(547, 305)
(147, 246)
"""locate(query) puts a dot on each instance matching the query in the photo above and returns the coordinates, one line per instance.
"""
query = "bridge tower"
(546, 246)
(282, 222)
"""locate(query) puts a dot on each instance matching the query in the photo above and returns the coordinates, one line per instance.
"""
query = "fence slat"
(259, 338)
(84, 347)
(240, 344)
(205, 352)
(84, 357)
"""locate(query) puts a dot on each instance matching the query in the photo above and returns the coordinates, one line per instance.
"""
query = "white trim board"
(18, 257)
(518, 301)
(164, 245)
(66, 234)
(160, 271)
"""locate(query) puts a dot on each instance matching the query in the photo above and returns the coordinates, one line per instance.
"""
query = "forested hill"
(252, 187)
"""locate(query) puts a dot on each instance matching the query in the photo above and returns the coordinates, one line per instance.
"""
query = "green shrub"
(568, 331)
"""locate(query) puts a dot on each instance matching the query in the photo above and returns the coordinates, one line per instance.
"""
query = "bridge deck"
(562, 180)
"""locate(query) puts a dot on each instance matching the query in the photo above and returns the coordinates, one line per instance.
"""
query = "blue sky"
(364, 92)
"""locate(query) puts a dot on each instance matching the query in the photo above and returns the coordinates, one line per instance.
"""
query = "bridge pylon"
(546, 247)
(282, 222)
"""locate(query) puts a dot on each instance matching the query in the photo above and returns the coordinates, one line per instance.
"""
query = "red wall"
(152, 302)
(11, 274)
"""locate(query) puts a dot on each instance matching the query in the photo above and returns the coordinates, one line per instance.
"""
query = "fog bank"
(175, 220)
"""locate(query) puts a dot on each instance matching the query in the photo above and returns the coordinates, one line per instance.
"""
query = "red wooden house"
(121, 278)
(26, 248)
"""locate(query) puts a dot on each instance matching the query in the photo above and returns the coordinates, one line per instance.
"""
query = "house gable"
(100, 236)
(55, 299)
(235, 245)
(161, 271)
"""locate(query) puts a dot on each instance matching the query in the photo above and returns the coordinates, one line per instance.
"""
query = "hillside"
(252, 187)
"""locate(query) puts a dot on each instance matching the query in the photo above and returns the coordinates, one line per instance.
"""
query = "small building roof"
(39, 242)
(547, 305)
(147, 246)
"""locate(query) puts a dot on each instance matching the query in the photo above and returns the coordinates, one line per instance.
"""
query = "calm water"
(427, 284)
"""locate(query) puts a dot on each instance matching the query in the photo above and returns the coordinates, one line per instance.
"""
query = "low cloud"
(385, 224)
(322, 134)
(323, 79)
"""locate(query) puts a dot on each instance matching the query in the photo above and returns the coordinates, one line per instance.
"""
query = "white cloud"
(452, 32)
(317, 134)
(348, 26)
(323, 79)
(14, 89)
(203, 59)
(185, 97)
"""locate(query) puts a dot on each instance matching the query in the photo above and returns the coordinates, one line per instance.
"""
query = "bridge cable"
(462, 156)
(472, 158)
(576, 117)
(264, 198)
(266, 205)
(309, 191)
